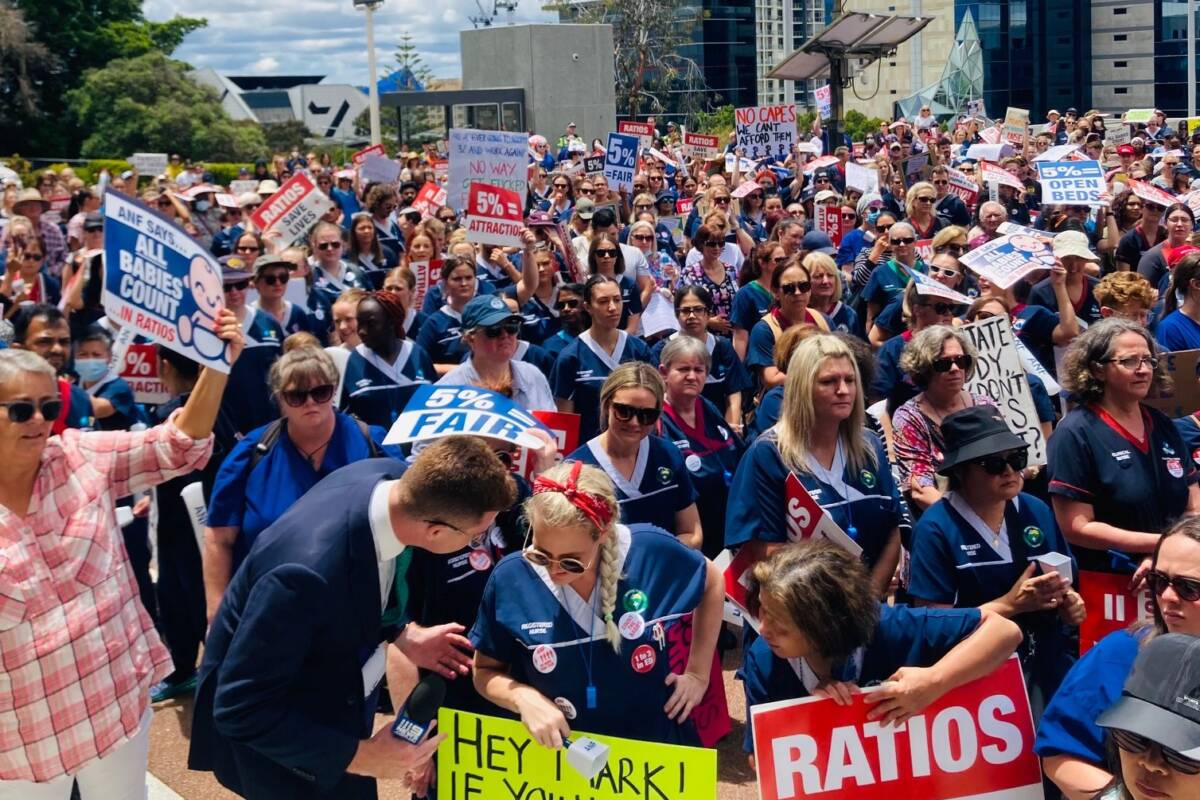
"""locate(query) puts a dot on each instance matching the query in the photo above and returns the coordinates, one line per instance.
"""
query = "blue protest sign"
(435, 411)
(1071, 183)
(161, 282)
(620, 160)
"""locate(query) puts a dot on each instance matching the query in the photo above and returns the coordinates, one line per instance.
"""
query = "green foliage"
(859, 125)
(282, 137)
(719, 121)
(149, 104)
(89, 171)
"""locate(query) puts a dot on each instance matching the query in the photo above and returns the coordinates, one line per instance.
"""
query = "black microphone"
(413, 721)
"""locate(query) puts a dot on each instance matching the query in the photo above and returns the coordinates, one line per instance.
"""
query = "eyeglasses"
(996, 464)
(883, 228)
(567, 564)
(945, 273)
(22, 410)
(449, 219)
(1133, 362)
(712, 243)
(242, 248)
(690, 311)
(276, 278)
(1134, 743)
(941, 183)
(512, 327)
(721, 201)
(240, 286)
(799, 287)
(606, 253)
(642, 207)
(779, 259)
(561, 185)
(566, 305)
(1187, 588)
(755, 196)
(926, 199)
(944, 363)
(953, 249)
(642, 237)
(585, 191)
(298, 397)
(474, 540)
(849, 216)
(903, 240)
(33, 256)
(329, 245)
(645, 416)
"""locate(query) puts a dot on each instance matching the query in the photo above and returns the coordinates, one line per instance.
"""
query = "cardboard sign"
(865, 179)
(1139, 115)
(824, 98)
(805, 519)
(964, 187)
(620, 161)
(699, 145)
(1072, 183)
(564, 428)
(764, 131)
(1183, 366)
(999, 375)
(140, 371)
(497, 158)
(149, 163)
(829, 220)
(242, 187)
(644, 131)
(293, 210)
(494, 216)
(488, 758)
(1152, 194)
(429, 199)
(593, 165)
(378, 169)
(436, 411)
(161, 282)
(359, 158)
(1016, 126)
(1000, 176)
(975, 741)
(1110, 606)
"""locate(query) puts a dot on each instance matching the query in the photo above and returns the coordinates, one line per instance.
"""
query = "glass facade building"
(1170, 57)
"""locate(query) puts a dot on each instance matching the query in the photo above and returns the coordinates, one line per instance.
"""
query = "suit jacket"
(279, 705)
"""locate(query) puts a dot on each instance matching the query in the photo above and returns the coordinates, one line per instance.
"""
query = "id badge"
(372, 671)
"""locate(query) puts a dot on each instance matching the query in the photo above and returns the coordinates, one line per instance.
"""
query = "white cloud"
(326, 37)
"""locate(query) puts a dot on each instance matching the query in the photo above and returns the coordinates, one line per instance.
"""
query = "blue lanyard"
(587, 662)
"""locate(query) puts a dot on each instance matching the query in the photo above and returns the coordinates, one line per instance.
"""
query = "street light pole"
(1191, 57)
(372, 87)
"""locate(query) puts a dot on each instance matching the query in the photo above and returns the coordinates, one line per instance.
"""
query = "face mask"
(872, 217)
(91, 369)
(203, 205)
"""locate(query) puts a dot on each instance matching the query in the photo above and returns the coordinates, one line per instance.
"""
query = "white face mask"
(203, 205)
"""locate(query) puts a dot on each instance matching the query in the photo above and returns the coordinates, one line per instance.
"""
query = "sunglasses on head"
(511, 327)
(1187, 588)
(297, 397)
(798, 287)
(276, 278)
(944, 363)
(954, 249)
(1135, 743)
(329, 245)
(540, 559)
(22, 410)
(996, 464)
(645, 416)
(240, 286)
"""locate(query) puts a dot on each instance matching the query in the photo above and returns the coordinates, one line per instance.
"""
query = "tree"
(25, 65)
(282, 137)
(148, 103)
(416, 124)
(859, 126)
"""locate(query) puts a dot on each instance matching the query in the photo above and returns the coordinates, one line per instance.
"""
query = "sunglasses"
(277, 278)
(329, 246)
(903, 240)
(955, 249)
(642, 238)
(298, 397)
(34, 256)
(241, 248)
(585, 191)
(645, 416)
(1135, 743)
(799, 287)
(712, 243)
(883, 228)
(721, 201)
(944, 363)
(240, 286)
(996, 464)
(511, 327)
(926, 199)
(642, 207)
(568, 564)
(1187, 588)
(945, 273)
(941, 183)
(560, 186)
(849, 216)
(566, 305)
(22, 410)
(606, 253)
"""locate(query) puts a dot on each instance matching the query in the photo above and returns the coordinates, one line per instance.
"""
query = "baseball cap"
(585, 208)
(1073, 243)
(1126, 150)
(1161, 698)
(233, 269)
(249, 199)
(484, 311)
(269, 260)
(819, 242)
(826, 194)
(94, 221)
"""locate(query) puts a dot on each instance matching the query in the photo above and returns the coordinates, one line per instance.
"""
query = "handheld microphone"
(413, 721)
(586, 756)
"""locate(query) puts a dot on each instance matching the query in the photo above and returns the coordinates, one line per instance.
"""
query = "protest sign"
(361, 156)
(1183, 367)
(989, 152)
(436, 411)
(1138, 115)
(807, 520)
(242, 187)
(1006, 260)
(1001, 177)
(976, 108)
(711, 714)
(824, 98)
(293, 210)
(1110, 606)
(864, 179)
(494, 216)
(429, 199)
(225, 200)
(964, 187)
(684, 205)
(620, 161)
(764, 131)
(378, 169)
(498, 158)
(563, 428)
(999, 375)
(1191, 200)
(593, 165)
(140, 371)
(1057, 153)
(818, 163)
(1016, 126)
(928, 287)
(975, 741)
(829, 220)
(737, 569)
(915, 164)
(1032, 366)
(698, 145)
(658, 316)
(660, 156)
(1118, 135)
(744, 188)
(989, 136)
(486, 758)
(1072, 183)
(644, 131)
(161, 282)
(1152, 194)
(149, 163)
(744, 165)
(427, 274)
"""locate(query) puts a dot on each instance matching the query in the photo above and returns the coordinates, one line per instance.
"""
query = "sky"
(326, 37)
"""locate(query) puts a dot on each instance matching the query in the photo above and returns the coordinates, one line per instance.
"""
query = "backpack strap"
(373, 450)
(265, 443)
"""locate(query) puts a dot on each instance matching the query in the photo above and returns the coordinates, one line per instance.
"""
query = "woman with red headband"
(576, 631)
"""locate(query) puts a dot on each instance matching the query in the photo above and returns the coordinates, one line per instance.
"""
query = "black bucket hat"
(976, 432)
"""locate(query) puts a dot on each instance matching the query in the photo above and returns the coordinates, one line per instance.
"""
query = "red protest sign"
(59, 202)
(807, 520)
(829, 219)
(429, 199)
(643, 130)
(699, 145)
(683, 206)
(293, 210)
(736, 570)
(966, 188)
(975, 741)
(565, 430)
(358, 158)
(494, 215)
(995, 174)
(711, 714)
(140, 371)
(427, 274)
(1110, 606)
(1152, 194)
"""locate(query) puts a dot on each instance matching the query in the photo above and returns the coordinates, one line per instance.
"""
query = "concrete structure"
(328, 110)
(566, 72)
(1122, 54)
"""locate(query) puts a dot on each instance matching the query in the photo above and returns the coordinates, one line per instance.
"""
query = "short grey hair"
(1095, 345)
(892, 231)
(304, 367)
(16, 362)
(925, 347)
(684, 346)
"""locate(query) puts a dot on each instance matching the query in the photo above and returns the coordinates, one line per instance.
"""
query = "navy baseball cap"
(485, 311)
(818, 242)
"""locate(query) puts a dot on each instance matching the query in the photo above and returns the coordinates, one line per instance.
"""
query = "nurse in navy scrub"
(573, 632)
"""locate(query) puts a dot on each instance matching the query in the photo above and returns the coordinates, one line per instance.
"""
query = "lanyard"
(587, 662)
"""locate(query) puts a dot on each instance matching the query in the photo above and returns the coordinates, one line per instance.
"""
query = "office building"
(1139, 55)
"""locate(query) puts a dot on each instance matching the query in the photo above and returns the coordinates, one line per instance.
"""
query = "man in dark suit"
(293, 661)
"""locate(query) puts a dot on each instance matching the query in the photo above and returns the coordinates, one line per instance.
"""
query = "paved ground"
(172, 721)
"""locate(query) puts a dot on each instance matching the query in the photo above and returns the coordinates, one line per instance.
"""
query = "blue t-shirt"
(434, 297)
(1178, 331)
(726, 376)
(865, 503)
(660, 485)
(116, 391)
(843, 318)
(1189, 429)
(252, 501)
(886, 281)
(904, 637)
(375, 392)
(761, 350)
(248, 401)
(580, 371)
(555, 344)
(1034, 326)
(553, 640)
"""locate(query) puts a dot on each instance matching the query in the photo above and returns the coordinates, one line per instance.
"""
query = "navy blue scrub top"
(580, 371)
(660, 485)
(441, 336)
(116, 391)
(375, 392)
(248, 400)
(726, 376)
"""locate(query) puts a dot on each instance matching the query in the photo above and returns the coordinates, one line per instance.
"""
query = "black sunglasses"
(799, 287)
(1135, 743)
(242, 248)
(22, 410)
(645, 416)
(954, 249)
(512, 327)
(1187, 588)
(566, 305)
(903, 240)
(271, 280)
(297, 397)
(944, 363)
(606, 253)
(240, 286)
(996, 464)
(329, 245)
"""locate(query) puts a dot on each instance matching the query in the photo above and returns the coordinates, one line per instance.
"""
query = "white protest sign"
(149, 163)
(644, 131)
(1072, 183)
(988, 152)
(437, 411)
(915, 163)
(817, 163)
(764, 131)
(1016, 126)
(242, 187)
(929, 287)
(745, 165)
(963, 186)
(861, 178)
(976, 108)
(989, 135)
(698, 145)
(1001, 176)
(293, 210)
(1152, 194)
(139, 369)
(1034, 367)
(998, 374)
(744, 188)
(658, 316)
(378, 169)
(1008, 259)
(1056, 153)
(620, 161)
(494, 216)
(824, 99)
(498, 158)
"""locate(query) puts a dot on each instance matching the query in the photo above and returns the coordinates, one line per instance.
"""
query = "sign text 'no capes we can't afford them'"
(764, 131)
(499, 158)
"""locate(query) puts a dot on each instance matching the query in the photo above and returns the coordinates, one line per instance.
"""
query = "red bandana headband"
(593, 507)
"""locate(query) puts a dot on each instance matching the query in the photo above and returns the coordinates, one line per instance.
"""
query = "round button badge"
(566, 707)
(479, 560)
(632, 625)
(692, 462)
(643, 659)
(635, 600)
(545, 659)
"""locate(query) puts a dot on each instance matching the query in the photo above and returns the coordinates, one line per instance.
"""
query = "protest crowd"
(906, 431)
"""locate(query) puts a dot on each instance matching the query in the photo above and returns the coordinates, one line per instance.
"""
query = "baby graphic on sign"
(198, 329)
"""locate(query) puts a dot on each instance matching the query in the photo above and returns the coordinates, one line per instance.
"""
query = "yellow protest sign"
(488, 758)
